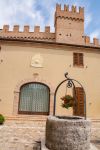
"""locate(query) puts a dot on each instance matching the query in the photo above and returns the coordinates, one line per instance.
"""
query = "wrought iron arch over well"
(34, 98)
(70, 83)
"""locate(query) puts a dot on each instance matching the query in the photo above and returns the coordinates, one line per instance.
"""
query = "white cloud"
(95, 34)
(23, 12)
(88, 19)
(16, 12)
(38, 12)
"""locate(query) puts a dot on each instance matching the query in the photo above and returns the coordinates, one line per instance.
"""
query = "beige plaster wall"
(56, 61)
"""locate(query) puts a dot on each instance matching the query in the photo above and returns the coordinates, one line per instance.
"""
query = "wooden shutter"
(75, 59)
(79, 109)
(78, 59)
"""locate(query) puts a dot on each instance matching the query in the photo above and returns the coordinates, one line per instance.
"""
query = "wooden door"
(79, 109)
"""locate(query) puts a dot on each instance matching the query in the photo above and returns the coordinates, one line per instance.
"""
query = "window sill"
(78, 66)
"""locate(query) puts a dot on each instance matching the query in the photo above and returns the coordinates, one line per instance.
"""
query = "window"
(78, 59)
(34, 99)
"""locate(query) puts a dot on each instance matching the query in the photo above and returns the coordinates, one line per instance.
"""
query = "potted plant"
(2, 119)
(68, 101)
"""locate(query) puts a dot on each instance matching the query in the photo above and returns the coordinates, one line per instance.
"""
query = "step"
(27, 117)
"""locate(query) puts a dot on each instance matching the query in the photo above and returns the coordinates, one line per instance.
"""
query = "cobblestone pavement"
(20, 135)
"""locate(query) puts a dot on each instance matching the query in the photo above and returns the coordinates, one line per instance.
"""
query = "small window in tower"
(1, 60)
(78, 59)
(70, 34)
(60, 34)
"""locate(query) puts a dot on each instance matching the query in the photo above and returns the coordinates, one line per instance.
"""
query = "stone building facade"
(33, 63)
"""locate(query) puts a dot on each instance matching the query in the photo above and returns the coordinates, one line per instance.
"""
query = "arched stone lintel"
(22, 82)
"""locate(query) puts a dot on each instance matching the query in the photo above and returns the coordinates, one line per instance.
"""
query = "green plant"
(68, 101)
(2, 119)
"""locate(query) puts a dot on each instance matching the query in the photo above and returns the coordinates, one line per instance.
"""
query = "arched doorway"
(34, 98)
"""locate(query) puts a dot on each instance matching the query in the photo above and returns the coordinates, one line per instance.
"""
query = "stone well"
(67, 133)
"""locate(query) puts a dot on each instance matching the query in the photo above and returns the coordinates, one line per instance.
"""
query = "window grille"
(34, 98)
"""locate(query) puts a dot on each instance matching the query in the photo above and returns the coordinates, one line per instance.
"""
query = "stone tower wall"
(69, 24)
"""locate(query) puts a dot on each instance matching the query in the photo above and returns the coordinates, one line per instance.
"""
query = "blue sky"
(41, 12)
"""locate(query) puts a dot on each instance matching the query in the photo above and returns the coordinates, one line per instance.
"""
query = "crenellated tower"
(69, 29)
(69, 24)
